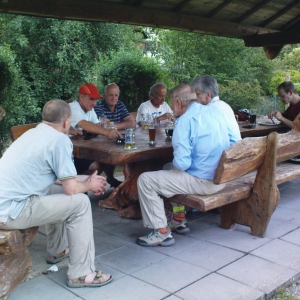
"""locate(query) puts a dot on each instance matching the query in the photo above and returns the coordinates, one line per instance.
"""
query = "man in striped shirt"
(110, 108)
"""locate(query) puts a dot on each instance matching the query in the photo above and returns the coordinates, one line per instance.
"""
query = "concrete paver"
(209, 263)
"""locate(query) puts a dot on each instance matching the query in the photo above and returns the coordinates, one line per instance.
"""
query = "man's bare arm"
(96, 128)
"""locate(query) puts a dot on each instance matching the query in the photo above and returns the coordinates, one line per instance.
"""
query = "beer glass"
(152, 131)
(130, 139)
(253, 113)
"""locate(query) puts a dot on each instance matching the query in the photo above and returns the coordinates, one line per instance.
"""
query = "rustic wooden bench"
(252, 169)
(15, 261)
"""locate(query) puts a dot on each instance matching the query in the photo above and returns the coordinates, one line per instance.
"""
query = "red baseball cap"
(91, 90)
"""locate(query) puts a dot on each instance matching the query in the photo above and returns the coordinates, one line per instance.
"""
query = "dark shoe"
(57, 258)
(113, 182)
(181, 227)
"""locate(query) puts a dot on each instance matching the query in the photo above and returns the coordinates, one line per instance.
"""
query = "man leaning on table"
(199, 138)
(112, 109)
(84, 117)
(28, 196)
(207, 91)
(288, 95)
(156, 107)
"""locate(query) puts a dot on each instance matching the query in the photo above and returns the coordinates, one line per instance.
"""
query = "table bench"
(252, 169)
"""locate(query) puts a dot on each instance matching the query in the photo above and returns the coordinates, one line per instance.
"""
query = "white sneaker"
(155, 238)
(179, 227)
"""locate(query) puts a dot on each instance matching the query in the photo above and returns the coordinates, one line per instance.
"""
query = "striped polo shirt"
(117, 116)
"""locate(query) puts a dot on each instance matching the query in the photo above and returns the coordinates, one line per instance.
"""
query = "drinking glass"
(130, 138)
(152, 131)
(253, 113)
(169, 130)
(146, 119)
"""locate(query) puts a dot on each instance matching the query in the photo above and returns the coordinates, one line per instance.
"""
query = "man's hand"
(113, 134)
(275, 113)
(97, 184)
(166, 116)
(73, 131)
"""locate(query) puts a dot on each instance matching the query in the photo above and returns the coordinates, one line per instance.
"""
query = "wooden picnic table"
(124, 198)
(261, 130)
(145, 158)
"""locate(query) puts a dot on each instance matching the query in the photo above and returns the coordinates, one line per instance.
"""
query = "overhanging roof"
(260, 23)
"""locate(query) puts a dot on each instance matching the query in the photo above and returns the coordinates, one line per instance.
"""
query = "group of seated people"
(40, 185)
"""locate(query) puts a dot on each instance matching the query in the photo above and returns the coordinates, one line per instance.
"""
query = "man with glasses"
(85, 118)
(288, 95)
(207, 91)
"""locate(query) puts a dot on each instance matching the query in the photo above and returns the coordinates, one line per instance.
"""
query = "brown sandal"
(57, 258)
(97, 281)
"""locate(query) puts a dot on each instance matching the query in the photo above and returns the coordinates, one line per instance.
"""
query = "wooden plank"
(10, 241)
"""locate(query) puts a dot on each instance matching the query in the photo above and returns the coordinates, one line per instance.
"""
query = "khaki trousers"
(168, 183)
(69, 224)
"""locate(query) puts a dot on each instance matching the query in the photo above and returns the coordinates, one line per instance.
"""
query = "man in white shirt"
(156, 107)
(84, 117)
(207, 91)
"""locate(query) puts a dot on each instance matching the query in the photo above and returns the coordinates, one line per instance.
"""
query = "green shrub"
(241, 94)
(15, 96)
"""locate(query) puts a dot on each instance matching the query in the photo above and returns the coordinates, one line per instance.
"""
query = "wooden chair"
(17, 131)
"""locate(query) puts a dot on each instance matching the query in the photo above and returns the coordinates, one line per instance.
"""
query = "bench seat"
(236, 190)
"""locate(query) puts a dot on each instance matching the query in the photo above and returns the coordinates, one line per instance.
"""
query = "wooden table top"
(261, 130)
(107, 151)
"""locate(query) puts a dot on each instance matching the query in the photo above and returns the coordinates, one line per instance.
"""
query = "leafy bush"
(279, 76)
(15, 96)
(241, 94)
(134, 73)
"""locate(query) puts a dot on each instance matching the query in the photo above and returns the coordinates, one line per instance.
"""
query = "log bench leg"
(256, 210)
(124, 198)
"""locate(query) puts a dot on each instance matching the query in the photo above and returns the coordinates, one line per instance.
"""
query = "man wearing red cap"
(84, 117)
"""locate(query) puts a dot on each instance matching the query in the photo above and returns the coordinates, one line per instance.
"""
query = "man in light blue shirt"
(200, 136)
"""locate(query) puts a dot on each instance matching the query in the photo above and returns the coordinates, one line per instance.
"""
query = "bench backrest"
(17, 131)
(248, 154)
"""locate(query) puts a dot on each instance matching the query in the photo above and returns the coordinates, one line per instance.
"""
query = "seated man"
(199, 138)
(84, 117)
(156, 107)
(113, 109)
(207, 91)
(28, 170)
(288, 95)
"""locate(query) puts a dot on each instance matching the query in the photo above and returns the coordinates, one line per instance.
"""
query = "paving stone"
(39, 288)
(209, 256)
(239, 240)
(171, 274)
(276, 229)
(217, 287)
(258, 273)
(126, 288)
(293, 237)
(287, 215)
(131, 258)
(280, 252)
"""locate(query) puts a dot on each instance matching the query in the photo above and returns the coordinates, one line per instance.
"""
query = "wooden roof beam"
(272, 39)
(252, 11)
(291, 23)
(218, 8)
(280, 13)
(130, 15)
(181, 5)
